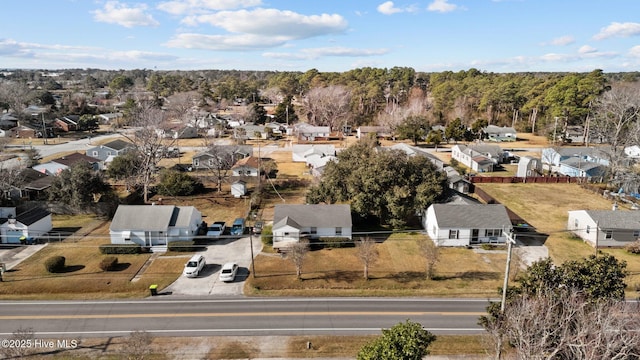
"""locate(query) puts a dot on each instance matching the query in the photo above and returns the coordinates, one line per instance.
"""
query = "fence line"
(529, 179)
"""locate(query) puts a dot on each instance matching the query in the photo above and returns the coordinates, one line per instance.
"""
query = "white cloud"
(388, 8)
(315, 53)
(273, 22)
(563, 40)
(180, 7)
(115, 12)
(617, 29)
(442, 6)
(586, 49)
(635, 51)
(225, 42)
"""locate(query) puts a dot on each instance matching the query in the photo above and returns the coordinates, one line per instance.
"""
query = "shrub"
(55, 264)
(121, 249)
(633, 248)
(267, 235)
(109, 263)
(336, 242)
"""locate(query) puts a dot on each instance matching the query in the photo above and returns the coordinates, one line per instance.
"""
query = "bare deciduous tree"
(15, 94)
(562, 324)
(367, 253)
(328, 106)
(149, 142)
(297, 252)
(616, 122)
(138, 345)
(431, 255)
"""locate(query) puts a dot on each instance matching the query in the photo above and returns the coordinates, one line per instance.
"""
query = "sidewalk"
(11, 257)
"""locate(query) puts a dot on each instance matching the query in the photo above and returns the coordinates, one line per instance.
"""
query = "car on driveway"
(228, 272)
(193, 267)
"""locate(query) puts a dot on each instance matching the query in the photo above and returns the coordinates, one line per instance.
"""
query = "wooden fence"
(530, 179)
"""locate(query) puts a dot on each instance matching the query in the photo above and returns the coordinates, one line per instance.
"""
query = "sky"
(328, 35)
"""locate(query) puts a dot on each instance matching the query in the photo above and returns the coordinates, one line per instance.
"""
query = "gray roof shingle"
(318, 215)
(472, 216)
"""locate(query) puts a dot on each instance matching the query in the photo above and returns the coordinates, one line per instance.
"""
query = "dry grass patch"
(399, 271)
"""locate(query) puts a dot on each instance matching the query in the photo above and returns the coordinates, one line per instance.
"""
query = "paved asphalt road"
(166, 316)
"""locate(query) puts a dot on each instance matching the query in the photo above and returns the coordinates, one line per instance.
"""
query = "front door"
(474, 236)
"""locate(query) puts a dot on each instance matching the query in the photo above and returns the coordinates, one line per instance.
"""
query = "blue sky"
(328, 35)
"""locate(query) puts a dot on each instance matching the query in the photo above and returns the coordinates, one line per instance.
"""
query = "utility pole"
(510, 242)
(554, 130)
(253, 266)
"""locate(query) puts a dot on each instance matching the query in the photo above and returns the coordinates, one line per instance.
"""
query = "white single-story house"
(466, 224)
(154, 225)
(500, 134)
(293, 222)
(30, 224)
(472, 159)
(249, 166)
(613, 228)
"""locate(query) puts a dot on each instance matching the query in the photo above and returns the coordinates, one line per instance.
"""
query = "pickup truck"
(216, 229)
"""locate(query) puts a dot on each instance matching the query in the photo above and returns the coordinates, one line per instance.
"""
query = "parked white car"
(193, 267)
(228, 272)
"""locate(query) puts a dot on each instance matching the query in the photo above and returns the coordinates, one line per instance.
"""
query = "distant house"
(26, 132)
(613, 228)
(32, 186)
(66, 123)
(224, 155)
(632, 152)
(577, 167)
(30, 224)
(377, 131)
(307, 132)
(249, 166)
(472, 159)
(56, 166)
(182, 132)
(300, 152)
(110, 118)
(108, 151)
(466, 224)
(294, 222)
(154, 225)
(500, 134)
(456, 181)
(416, 151)
(554, 155)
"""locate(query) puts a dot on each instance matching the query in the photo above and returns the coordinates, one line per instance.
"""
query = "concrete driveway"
(217, 253)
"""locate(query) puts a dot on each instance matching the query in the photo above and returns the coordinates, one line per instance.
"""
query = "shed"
(239, 188)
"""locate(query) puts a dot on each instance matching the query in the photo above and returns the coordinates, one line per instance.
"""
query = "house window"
(338, 231)
(453, 234)
(608, 234)
(95, 153)
(313, 231)
(210, 162)
(196, 162)
(588, 229)
(636, 233)
(493, 232)
(575, 224)
(286, 234)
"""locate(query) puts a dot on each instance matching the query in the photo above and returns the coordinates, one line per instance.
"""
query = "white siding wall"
(580, 222)
(40, 227)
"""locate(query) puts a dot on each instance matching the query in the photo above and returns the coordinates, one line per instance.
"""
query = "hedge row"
(121, 249)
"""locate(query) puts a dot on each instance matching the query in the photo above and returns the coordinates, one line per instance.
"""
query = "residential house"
(32, 185)
(377, 131)
(466, 224)
(26, 132)
(577, 167)
(110, 118)
(552, 156)
(612, 228)
(56, 166)
(456, 181)
(500, 134)
(307, 132)
(66, 123)
(529, 166)
(8, 121)
(474, 160)
(294, 222)
(632, 152)
(106, 152)
(249, 166)
(416, 151)
(314, 156)
(154, 225)
(181, 132)
(29, 224)
(223, 155)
